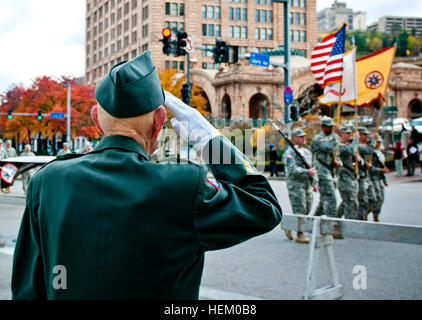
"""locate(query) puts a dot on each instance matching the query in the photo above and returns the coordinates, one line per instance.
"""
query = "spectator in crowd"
(65, 150)
(273, 159)
(398, 158)
(412, 157)
(26, 176)
(88, 147)
(414, 134)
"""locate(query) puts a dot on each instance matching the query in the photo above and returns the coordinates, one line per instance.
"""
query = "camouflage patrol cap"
(298, 133)
(131, 88)
(363, 130)
(346, 129)
(327, 121)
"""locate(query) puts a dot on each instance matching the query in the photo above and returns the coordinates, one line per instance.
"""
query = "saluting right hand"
(189, 123)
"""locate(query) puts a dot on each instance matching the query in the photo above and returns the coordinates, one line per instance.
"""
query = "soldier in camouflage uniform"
(378, 181)
(301, 182)
(324, 147)
(365, 194)
(348, 179)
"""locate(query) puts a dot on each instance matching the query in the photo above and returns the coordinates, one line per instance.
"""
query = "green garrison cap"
(327, 121)
(346, 129)
(298, 133)
(131, 88)
(363, 130)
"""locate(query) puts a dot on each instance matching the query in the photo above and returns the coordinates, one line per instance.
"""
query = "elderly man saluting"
(145, 235)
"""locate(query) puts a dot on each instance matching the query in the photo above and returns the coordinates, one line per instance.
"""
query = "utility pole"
(286, 66)
(68, 111)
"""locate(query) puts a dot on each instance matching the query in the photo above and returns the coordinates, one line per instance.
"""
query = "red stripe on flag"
(320, 55)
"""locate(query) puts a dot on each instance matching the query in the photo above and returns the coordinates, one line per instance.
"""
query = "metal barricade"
(323, 229)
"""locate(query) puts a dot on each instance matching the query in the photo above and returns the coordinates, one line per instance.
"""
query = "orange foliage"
(173, 83)
(50, 96)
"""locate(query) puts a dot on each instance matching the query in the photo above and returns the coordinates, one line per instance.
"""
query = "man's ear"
(159, 118)
(94, 117)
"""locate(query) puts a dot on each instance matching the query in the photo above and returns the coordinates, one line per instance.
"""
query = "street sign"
(288, 95)
(189, 44)
(391, 109)
(259, 59)
(57, 115)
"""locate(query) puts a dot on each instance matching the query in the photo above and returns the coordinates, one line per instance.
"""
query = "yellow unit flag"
(373, 74)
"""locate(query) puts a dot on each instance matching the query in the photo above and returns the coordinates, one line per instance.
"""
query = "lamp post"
(68, 111)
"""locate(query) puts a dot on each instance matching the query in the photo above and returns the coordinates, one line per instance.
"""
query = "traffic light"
(294, 114)
(233, 55)
(39, 114)
(221, 52)
(181, 43)
(9, 116)
(167, 47)
(186, 93)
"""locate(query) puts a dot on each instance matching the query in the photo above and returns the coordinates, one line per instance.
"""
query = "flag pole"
(355, 100)
(338, 111)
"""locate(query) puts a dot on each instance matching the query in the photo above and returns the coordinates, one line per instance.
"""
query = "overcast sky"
(46, 37)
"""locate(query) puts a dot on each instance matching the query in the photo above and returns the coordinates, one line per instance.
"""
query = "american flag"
(327, 58)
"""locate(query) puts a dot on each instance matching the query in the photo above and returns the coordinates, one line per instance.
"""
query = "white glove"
(189, 123)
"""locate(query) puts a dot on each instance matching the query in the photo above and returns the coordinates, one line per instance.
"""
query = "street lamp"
(68, 110)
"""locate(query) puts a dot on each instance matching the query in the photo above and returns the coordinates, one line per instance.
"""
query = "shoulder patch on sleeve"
(214, 183)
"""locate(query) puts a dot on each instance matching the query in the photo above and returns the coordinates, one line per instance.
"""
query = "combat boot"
(2, 244)
(376, 218)
(288, 234)
(301, 238)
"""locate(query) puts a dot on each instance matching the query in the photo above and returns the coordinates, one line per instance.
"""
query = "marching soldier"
(378, 181)
(324, 148)
(348, 180)
(365, 193)
(124, 227)
(301, 182)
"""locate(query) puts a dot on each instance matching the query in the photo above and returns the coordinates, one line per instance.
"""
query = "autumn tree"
(173, 83)
(48, 95)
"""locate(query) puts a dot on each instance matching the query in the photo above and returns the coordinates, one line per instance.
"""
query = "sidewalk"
(392, 177)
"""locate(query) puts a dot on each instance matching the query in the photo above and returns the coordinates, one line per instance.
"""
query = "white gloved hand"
(189, 123)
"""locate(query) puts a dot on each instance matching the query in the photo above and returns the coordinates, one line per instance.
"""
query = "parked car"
(397, 125)
(417, 123)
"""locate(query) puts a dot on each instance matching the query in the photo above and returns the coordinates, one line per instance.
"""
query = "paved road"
(272, 267)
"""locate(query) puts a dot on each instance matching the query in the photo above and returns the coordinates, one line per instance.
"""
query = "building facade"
(118, 30)
(391, 24)
(330, 19)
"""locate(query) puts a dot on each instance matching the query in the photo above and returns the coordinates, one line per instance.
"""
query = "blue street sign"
(259, 59)
(57, 115)
(288, 95)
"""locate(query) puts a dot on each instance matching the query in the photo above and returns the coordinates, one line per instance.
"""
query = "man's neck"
(133, 135)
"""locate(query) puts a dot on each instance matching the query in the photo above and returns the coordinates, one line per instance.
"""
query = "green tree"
(402, 44)
(375, 44)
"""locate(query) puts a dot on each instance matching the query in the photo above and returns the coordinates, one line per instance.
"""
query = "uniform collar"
(122, 142)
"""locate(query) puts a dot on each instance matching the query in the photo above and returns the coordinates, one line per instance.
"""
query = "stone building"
(405, 87)
(118, 30)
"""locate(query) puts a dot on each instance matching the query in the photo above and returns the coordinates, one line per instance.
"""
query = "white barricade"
(323, 228)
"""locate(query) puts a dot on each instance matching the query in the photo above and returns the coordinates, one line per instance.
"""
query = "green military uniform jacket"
(127, 228)
(296, 172)
(365, 151)
(347, 154)
(323, 149)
